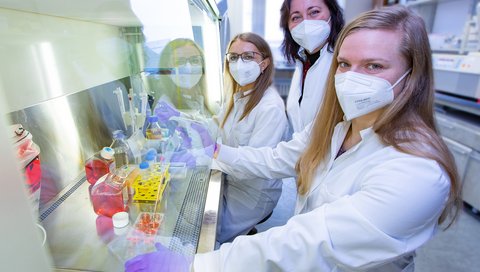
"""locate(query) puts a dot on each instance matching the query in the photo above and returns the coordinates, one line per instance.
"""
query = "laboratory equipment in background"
(454, 38)
(138, 107)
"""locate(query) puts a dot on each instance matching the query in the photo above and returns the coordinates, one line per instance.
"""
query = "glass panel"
(76, 72)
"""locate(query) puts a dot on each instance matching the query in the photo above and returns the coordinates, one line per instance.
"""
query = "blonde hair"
(261, 84)
(408, 123)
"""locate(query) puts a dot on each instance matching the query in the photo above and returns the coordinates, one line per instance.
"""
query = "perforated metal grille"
(189, 222)
(60, 200)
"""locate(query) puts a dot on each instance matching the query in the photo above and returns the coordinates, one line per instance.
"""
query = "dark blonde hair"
(408, 123)
(261, 84)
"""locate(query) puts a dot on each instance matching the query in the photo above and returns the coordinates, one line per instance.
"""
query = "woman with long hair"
(310, 31)
(255, 116)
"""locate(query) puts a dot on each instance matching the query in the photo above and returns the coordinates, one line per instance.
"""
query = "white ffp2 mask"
(359, 94)
(310, 34)
(187, 76)
(243, 72)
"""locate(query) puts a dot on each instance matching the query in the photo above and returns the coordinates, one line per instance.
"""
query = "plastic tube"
(142, 112)
(121, 103)
(131, 110)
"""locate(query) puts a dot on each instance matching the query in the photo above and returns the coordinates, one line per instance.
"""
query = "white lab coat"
(369, 209)
(301, 115)
(247, 201)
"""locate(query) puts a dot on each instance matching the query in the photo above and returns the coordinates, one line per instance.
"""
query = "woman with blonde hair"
(255, 116)
(375, 179)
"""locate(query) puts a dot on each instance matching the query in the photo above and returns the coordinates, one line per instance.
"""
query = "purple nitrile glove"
(186, 140)
(162, 260)
(207, 141)
(184, 156)
(165, 111)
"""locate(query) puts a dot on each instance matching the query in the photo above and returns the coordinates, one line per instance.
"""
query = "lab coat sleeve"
(264, 162)
(394, 212)
(270, 125)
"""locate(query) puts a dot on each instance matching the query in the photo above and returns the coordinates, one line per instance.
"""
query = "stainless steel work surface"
(79, 239)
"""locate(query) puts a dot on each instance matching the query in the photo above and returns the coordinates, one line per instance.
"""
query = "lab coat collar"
(303, 55)
(366, 133)
(339, 134)
(345, 125)
(240, 95)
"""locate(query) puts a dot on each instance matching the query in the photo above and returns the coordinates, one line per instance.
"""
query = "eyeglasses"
(245, 56)
(193, 60)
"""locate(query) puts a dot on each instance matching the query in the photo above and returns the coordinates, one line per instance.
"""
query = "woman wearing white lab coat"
(310, 30)
(374, 180)
(378, 189)
(255, 117)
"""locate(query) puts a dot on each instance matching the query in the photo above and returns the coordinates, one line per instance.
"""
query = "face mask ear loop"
(329, 19)
(402, 77)
(259, 64)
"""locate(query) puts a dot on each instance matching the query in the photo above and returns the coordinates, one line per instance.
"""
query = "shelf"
(458, 103)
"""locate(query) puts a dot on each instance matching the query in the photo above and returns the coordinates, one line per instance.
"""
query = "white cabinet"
(471, 186)
(462, 137)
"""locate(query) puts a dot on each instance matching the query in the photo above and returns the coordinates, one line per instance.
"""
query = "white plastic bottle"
(121, 149)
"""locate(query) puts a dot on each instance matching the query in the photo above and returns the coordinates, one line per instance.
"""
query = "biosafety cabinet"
(72, 73)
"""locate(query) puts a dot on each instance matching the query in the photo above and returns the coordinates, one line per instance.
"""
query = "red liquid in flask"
(100, 164)
(107, 199)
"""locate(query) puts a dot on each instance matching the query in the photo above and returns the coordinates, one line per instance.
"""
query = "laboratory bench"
(78, 239)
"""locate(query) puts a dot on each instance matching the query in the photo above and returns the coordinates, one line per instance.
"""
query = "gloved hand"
(184, 156)
(165, 111)
(162, 260)
(186, 140)
(207, 141)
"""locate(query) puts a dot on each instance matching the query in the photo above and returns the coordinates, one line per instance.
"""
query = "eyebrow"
(308, 9)
(365, 60)
(312, 7)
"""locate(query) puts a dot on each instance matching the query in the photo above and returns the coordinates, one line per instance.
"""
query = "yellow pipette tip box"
(151, 186)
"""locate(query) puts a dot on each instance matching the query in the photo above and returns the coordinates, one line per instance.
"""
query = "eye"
(232, 57)
(374, 67)
(295, 19)
(314, 13)
(195, 60)
(180, 61)
(343, 65)
(248, 56)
